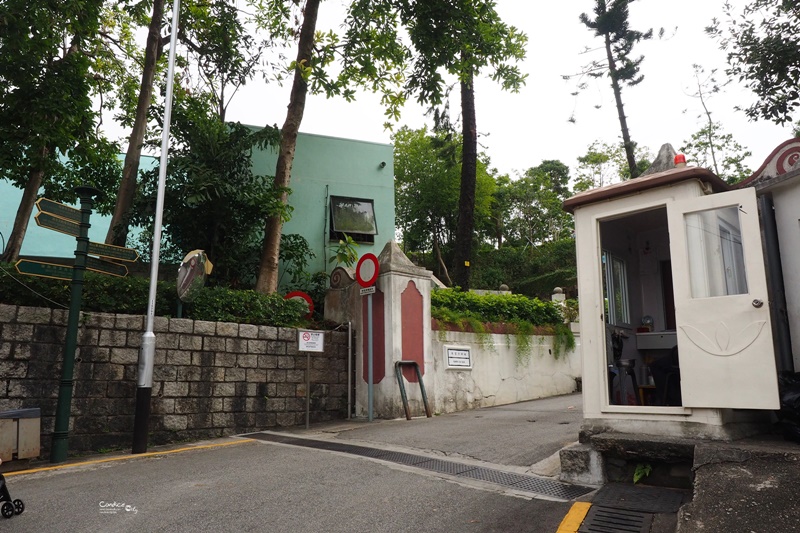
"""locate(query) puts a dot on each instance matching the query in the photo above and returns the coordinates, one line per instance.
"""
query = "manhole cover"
(608, 520)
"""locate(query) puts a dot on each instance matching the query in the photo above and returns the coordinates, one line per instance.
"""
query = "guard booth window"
(354, 217)
(615, 290)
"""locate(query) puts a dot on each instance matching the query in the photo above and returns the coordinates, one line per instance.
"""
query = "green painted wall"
(329, 166)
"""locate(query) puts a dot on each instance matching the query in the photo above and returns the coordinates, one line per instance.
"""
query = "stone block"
(95, 354)
(267, 361)
(13, 369)
(17, 332)
(90, 389)
(225, 359)
(98, 320)
(295, 404)
(165, 373)
(8, 314)
(276, 348)
(214, 374)
(5, 349)
(189, 373)
(287, 334)
(173, 389)
(121, 424)
(23, 351)
(179, 357)
(235, 374)
(160, 357)
(110, 337)
(267, 332)
(216, 405)
(222, 419)
(60, 317)
(270, 390)
(224, 389)
(205, 359)
(291, 349)
(256, 347)
(191, 342)
(319, 363)
(234, 404)
(583, 465)
(204, 327)
(256, 374)
(121, 389)
(199, 389)
(247, 361)
(181, 325)
(286, 362)
(163, 406)
(196, 404)
(276, 376)
(125, 356)
(285, 419)
(46, 333)
(167, 341)
(244, 420)
(296, 376)
(107, 371)
(248, 331)
(87, 336)
(160, 324)
(286, 390)
(275, 404)
(227, 329)
(201, 421)
(236, 345)
(175, 422)
(130, 322)
(214, 344)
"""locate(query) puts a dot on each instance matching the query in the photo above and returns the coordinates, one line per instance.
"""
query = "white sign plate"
(310, 341)
(367, 290)
(459, 357)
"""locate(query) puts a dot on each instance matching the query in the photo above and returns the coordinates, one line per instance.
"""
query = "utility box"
(20, 431)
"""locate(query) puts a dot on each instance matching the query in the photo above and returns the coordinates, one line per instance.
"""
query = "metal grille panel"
(640, 498)
(608, 520)
(536, 485)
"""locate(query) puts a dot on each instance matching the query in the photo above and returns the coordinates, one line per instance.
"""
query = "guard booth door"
(721, 303)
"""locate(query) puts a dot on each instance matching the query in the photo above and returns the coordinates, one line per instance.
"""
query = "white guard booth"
(674, 308)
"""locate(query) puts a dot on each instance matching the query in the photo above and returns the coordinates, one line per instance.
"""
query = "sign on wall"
(458, 357)
(310, 341)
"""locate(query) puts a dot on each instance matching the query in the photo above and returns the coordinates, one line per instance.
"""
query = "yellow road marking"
(126, 457)
(574, 517)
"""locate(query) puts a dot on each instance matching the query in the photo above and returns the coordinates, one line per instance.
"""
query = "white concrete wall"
(787, 215)
(500, 374)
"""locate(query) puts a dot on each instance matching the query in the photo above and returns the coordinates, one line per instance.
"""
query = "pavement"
(747, 486)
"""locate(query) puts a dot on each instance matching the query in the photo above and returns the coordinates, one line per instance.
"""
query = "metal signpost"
(366, 275)
(309, 341)
(75, 222)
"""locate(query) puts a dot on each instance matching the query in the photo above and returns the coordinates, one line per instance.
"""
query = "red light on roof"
(680, 159)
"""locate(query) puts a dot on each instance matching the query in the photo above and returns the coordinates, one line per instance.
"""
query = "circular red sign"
(367, 270)
(302, 296)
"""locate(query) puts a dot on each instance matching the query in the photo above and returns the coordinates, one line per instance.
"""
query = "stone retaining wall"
(210, 379)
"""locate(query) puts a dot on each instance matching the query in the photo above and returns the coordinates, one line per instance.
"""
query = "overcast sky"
(520, 130)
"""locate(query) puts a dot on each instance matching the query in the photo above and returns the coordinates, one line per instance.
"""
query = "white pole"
(148, 348)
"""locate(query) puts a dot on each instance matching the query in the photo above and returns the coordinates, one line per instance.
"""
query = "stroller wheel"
(7, 509)
(19, 507)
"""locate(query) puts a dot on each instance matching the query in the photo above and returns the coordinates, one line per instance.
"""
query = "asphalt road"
(259, 486)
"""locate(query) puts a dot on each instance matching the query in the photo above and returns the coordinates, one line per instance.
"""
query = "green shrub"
(249, 307)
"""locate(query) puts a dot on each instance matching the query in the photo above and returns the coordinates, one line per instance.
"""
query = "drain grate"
(639, 498)
(608, 520)
(536, 485)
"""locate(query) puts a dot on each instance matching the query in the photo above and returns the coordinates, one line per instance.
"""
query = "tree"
(427, 185)
(456, 37)
(604, 164)
(709, 147)
(47, 122)
(763, 46)
(213, 201)
(307, 60)
(611, 23)
(536, 215)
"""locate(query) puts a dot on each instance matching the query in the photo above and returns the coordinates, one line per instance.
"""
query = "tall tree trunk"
(118, 229)
(14, 244)
(267, 281)
(469, 171)
(437, 252)
(623, 122)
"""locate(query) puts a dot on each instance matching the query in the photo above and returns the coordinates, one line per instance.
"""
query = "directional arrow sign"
(113, 252)
(46, 220)
(106, 267)
(44, 270)
(59, 210)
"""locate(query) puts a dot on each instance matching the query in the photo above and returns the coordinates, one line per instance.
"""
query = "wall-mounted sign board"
(458, 357)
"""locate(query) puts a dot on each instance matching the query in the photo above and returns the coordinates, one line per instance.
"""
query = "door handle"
(757, 303)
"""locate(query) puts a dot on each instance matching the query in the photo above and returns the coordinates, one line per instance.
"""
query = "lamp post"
(147, 351)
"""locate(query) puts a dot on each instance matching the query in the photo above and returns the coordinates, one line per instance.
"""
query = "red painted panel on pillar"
(413, 346)
(378, 337)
